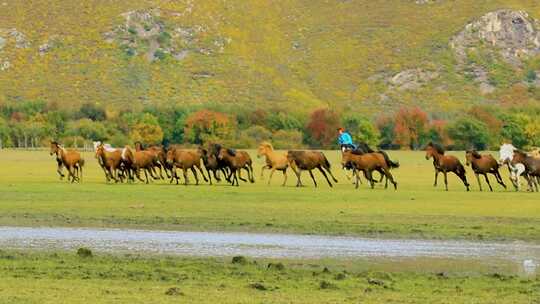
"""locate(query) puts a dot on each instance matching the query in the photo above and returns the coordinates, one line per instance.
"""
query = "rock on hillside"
(150, 33)
(513, 34)
(10, 38)
(504, 35)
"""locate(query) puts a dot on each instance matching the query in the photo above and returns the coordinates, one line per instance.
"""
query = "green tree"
(513, 130)
(468, 132)
(5, 140)
(361, 129)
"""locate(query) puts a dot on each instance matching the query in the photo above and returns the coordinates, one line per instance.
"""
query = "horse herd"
(213, 160)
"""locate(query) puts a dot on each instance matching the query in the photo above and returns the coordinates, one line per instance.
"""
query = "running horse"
(445, 163)
(70, 159)
(482, 165)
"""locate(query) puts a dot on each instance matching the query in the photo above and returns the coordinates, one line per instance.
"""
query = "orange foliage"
(410, 125)
(322, 126)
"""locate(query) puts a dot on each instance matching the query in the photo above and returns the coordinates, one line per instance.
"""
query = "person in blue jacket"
(345, 140)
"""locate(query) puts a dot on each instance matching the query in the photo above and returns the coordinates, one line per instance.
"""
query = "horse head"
(55, 146)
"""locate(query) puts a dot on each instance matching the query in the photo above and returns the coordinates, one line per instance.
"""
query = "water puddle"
(289, 246)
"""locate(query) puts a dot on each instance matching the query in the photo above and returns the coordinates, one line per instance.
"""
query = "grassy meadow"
(68, 278)
(32, 195)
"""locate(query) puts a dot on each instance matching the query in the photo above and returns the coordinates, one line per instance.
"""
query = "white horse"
(506, 154)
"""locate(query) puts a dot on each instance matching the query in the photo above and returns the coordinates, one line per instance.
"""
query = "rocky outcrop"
(147, 33)
(412, 79)
(512, 34)
(505, 36)
(10, 38)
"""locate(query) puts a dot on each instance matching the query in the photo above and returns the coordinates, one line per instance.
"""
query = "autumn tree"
(411, 126)
(206, 125)
(322, 126)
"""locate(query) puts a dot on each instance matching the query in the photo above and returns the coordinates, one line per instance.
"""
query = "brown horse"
(137, 160)
(236, 161)
(367, 163)
(111, 161)
(445, 163)
(309, 160)
(211, 164)
(274, 161)
(532, 168)
(483, 164)
(159, 154)
(185, 159)
(70, 159)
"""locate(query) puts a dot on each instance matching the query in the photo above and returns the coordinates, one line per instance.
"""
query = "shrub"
(468, 132)
(322, 126)
(284, 139)
(361, 129)
(411, 126)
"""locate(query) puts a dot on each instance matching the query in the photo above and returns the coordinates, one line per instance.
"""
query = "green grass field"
(32, 195)
(67, 278)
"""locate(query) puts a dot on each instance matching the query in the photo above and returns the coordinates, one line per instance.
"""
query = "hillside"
(281, 53)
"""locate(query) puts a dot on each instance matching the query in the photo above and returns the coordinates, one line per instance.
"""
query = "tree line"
(26, 124)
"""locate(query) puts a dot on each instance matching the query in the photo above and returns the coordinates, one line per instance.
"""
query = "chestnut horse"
(137, 160)
(274, 161)
(70, 159)
(236, 161)
(445, 163)
(369, 162)
(482, 165)
(532, 168)
(111, 162)
(160, 157)
(309, 160)
(185, 159)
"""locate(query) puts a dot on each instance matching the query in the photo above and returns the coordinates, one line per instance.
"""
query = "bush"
(361, 129)
(468, 132)
(284, 139)
(84, 252)
(321, 128)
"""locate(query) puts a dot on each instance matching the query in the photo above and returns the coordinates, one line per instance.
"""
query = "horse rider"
(345, 140)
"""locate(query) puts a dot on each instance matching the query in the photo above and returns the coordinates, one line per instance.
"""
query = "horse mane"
(232, 152)
(267, 144)
(357, 152)
(475, 154)
(365, 148)
(521, 153)
(437, 147)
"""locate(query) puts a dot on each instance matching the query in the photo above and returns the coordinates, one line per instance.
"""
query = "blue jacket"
(345, 139)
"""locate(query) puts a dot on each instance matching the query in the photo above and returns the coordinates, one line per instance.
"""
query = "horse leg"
(463, 177)
(240, 175)
(202, 173)
(329, 172)
(478, 180)
(251, 174)
(487, 181)
(436, 176)
(445, 180)
(325, 176)
(313, 178)
(262, 170)
(390, 177)
(146, 175)
(369, 176)
(237, 173)
(284, 178)
(209, 176)
(196, 176)
(271, 173)
(357, 180)
(186, 181)
(499, 178)
(59, 170)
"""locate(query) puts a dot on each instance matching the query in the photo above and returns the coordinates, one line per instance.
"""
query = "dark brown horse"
(212, 165)
(236, 161)
(532, 168)
(482, 165)
(309, 160)
(369, 162)
(185, 160)
(70, 159)
(445, 163)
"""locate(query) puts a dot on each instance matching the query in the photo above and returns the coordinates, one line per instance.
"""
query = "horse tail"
(388, 161)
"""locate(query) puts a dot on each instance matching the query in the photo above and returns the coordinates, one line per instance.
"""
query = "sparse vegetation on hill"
(171, 59)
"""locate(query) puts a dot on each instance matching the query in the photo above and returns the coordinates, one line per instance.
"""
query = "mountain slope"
(295, 54)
